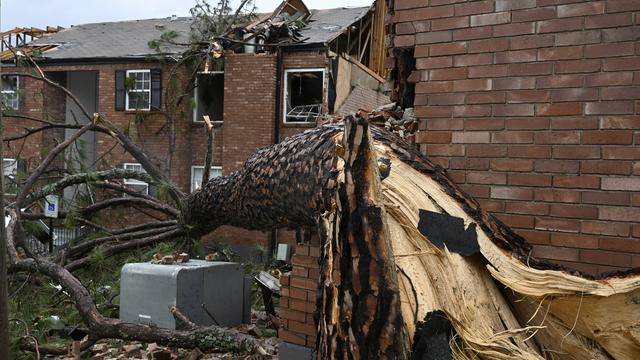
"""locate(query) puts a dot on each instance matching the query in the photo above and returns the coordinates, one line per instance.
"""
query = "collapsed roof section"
(292, 23)
(18, 37)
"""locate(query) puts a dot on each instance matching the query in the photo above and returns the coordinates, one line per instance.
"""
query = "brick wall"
(298, 297)
(534, 107)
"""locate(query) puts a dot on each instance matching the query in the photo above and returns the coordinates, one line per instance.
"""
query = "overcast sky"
(40, 13)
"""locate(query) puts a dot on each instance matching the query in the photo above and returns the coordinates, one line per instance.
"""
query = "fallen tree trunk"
(408, 246)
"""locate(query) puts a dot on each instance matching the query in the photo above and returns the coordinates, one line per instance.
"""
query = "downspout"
(276, 128)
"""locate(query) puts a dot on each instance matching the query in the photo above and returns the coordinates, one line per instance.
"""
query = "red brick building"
(112, 70)
(534, 108)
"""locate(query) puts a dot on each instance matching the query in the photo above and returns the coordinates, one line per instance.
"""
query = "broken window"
(10, 167)
(138, 90)
(196, 175)
(10, 97)
(135, 184)
(209, 96)
(304, 91)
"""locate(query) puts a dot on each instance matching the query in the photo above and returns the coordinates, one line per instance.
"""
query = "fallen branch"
(168, 233)
(83, 178)
(86, 246)
(100, 327)
(31, 180)
(124, 201)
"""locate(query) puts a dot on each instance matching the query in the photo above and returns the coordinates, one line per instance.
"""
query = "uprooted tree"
(410, 265)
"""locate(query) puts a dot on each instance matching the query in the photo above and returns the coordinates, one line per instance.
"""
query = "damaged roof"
(130, 39)
(120, 39)
(326, 25)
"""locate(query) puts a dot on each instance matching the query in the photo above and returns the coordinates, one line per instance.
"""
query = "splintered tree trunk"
(411, 267)
(326, 177)
(359, 306)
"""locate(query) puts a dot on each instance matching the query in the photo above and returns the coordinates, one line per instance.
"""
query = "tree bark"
(359, 309)
(278, 187)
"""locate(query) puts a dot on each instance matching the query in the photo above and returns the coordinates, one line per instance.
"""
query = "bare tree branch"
(85, 178)
(170, 233)
(87, 246)
(144, 227)
(100, 327)
(121, 188)
(209, 155)
(31, 180)
(123, 201)
(30, 131)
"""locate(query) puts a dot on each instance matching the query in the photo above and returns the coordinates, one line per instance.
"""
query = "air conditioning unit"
(208, 293)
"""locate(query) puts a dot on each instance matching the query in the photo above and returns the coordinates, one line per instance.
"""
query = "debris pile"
(170, 259)
(280, 27)
(391, 117)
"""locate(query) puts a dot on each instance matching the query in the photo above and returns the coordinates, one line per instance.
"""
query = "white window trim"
(15, 168)
(195, 97)
(135, 181)
(16, 92)
(193, 168)
(286, 91)
(137, 91)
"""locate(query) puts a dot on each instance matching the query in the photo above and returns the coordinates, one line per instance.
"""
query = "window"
(138, 90)
(303, 95)
(10, 167)
(134, 184)
(209, 96)
(138, 86)
(10, 97)
(196, 175)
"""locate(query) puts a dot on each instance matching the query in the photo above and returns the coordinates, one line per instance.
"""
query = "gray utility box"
(147, 291)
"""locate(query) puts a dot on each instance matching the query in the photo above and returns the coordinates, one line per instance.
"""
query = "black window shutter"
(21, 94)
(121, 92)
(156, 89)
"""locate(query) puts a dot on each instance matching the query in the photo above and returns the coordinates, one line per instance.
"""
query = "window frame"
(15, 92)
(129, 91)
(135, 181)
(195, 97)
(14, 172)
(286, 91)
(194, 167)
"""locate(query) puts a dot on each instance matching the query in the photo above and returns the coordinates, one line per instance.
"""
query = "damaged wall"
(534, 110)
(298, 296)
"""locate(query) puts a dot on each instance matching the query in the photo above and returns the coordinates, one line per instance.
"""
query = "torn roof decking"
(16, 38)
(130, 39)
